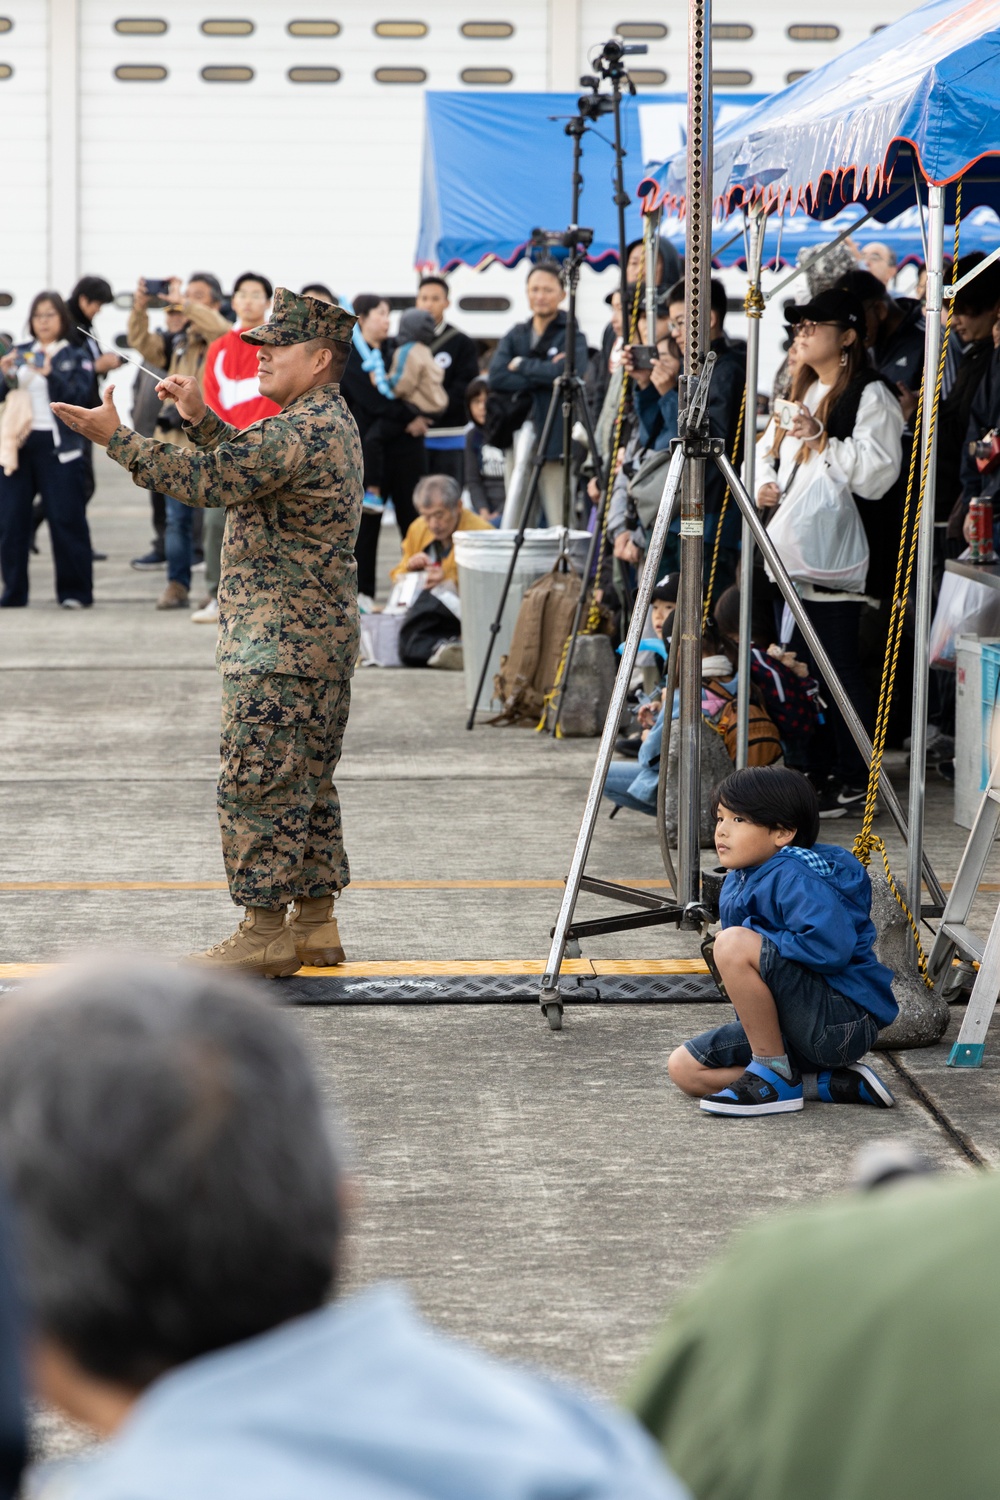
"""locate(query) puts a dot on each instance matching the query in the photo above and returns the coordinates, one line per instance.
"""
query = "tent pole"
(697, 274)
(754, 309)
(925, 555)
(651, 252)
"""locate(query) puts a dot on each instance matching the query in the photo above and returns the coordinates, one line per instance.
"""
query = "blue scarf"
(402, 354)
(372, 363)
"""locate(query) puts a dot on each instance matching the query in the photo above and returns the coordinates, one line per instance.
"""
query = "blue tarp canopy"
(497, 166)
(926, 89)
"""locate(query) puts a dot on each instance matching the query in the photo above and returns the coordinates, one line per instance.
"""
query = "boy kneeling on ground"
(795, 953)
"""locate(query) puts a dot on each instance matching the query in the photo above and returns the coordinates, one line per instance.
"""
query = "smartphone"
(157, 287)
(643, 356)
(34, 358)
(785, 413)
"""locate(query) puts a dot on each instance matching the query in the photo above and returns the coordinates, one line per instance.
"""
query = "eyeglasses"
(807, 327)
(677, 325)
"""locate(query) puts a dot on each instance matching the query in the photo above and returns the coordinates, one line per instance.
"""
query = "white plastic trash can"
(483, 558)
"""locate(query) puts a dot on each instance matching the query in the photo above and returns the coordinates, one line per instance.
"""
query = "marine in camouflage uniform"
(291, 486)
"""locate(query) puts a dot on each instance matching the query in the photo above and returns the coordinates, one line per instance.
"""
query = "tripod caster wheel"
(573, 949)
(554, 1015)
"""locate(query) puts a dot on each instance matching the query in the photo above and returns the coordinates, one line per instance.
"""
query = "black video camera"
(613, 51)
(562, 239)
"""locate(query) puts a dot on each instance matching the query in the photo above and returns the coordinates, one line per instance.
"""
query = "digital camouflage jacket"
(291, 486)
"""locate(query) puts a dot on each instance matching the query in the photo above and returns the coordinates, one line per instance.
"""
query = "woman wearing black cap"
(853, 417)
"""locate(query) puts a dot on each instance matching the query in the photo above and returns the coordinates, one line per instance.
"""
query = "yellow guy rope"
(867, 843)
(707, 610)
(753, 306)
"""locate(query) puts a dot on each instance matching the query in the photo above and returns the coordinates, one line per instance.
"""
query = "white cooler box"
(977, 720)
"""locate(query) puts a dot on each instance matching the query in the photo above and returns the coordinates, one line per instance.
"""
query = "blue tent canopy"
(497, 166)
(475, 141)
(926, 88)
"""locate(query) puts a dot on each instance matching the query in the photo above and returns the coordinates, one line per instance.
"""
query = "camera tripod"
(568, 391)
(690, 909)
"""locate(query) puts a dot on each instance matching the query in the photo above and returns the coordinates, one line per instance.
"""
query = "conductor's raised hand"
(97, 424)
(183, 390)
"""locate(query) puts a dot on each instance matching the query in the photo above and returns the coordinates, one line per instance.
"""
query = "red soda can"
(981, 527)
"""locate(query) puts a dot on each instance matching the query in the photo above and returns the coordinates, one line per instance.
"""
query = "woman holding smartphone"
(49, 461)
(843, 412)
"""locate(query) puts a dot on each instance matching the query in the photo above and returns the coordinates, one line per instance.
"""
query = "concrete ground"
(545, 1195)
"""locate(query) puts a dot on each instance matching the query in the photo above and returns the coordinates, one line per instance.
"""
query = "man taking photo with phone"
(193, 322)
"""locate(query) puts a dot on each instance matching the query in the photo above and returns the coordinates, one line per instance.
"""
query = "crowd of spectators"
(429, 402)
(842, 420)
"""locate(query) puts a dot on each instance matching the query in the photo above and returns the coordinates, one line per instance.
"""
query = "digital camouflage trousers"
(279, 813)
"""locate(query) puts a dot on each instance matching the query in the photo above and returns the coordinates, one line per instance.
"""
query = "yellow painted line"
(648, 966)
(428, 969)
(112, 885)
(356, 885)
(425, 969)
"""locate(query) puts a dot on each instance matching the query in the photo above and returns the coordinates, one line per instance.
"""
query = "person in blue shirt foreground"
(796, 956)
(179, 1209)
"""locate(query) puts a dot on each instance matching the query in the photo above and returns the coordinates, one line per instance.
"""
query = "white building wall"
(24, 133)
(302, 181)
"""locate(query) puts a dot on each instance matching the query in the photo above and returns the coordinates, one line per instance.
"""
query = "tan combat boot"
(262, 944)
(174, 596)
(313, 929)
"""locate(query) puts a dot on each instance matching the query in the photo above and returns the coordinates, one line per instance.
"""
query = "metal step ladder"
(955, 938)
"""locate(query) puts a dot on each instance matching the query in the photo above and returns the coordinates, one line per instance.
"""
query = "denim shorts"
(821, 1028)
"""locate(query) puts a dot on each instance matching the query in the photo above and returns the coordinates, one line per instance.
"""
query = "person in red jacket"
(230, 389)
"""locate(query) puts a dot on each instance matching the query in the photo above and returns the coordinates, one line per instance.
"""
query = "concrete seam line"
(958, 1138)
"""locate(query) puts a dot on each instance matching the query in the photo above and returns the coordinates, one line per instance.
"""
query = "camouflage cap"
(296, 320)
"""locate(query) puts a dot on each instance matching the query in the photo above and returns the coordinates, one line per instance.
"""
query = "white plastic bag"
(965, 607)
(818, 532)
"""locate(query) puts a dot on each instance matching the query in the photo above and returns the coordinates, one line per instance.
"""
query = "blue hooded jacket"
(815, 907)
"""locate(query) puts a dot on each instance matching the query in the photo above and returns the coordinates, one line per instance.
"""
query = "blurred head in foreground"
(176, 1190)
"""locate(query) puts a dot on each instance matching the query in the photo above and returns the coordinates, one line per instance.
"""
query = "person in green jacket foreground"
(844, 1352)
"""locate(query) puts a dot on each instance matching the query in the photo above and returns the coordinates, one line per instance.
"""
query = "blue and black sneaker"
(855, 1083)
(758, 1092)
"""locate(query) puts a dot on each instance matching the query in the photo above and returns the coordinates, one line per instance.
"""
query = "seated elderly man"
(181, 1218)
(431, 633)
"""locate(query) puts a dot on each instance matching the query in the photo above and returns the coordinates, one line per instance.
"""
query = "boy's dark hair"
(727, 617)
(774, 797)
(477, 387)
(435, 281)
(212, 282)
(665, 591)
(261, 281)
(94, 288)
(719, 299)
(322, 288)
(366, 302)
(864, 286)
(983, 293)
